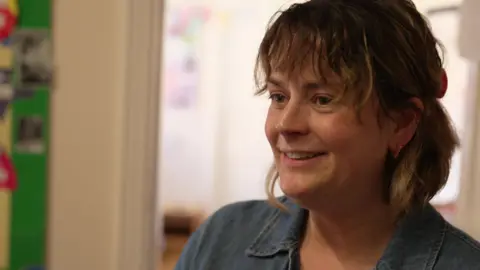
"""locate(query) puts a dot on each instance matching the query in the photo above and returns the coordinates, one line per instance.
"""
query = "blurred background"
(107, 161)
(212, 124)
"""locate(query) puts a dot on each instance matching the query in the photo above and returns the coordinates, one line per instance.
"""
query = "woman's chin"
(298, 186)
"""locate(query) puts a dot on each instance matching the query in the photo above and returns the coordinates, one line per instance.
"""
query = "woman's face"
(321, 147)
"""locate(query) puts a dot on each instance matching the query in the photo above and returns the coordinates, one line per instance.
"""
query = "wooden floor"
(172, 252)
(179, 224)
(169, 260)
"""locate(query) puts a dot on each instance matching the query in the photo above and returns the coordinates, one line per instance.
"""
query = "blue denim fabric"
(256, 236)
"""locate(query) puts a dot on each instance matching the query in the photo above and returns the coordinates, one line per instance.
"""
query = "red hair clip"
(444, 85)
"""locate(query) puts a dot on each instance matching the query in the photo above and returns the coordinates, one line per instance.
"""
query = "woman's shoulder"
(232, 231)
(425, 240)
(459, 250)
(241, 216)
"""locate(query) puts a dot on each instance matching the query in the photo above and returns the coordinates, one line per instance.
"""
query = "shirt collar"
(416, 243)
(282, 232)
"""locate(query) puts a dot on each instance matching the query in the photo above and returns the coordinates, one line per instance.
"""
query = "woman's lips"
(292, 159)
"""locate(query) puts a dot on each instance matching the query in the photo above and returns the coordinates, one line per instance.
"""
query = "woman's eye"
(277, 98)
(322, 100)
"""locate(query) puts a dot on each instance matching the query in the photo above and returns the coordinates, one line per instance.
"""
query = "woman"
(361, 144)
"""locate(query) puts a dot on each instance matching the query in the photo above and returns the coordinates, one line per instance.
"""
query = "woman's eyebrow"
(275, 81)
(312, 85)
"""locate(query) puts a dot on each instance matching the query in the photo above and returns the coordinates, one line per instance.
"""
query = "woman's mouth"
(301, 159)
(303, 155)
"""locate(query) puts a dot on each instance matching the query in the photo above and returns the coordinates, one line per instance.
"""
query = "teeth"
(301, 155)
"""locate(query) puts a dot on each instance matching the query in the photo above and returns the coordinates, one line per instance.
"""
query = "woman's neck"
(352, 233)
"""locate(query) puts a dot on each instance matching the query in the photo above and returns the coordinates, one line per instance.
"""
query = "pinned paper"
(8, 22)
(6, 131)
(8, 177)
(6, 90)
(33, 58)
(13, 7)
(30, 135)
(6, 57)
(6, 76)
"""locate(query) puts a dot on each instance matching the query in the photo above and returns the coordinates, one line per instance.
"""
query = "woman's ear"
(406, 123)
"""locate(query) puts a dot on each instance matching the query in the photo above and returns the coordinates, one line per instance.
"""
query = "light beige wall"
(468, 199)
(427, 4)
(87, 108)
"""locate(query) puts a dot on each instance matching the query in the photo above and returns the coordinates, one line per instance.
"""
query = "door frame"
(137, 244)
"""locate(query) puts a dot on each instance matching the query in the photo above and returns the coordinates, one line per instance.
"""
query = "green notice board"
(29, 153)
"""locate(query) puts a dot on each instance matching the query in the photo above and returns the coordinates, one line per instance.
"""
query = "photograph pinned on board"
(30, 135)
(6, 90)
(6, 76)
(33, 58)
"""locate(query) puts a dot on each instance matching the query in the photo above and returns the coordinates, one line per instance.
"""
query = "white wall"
(216, 153)
(446, 28)
(423, 5)
(246, 153)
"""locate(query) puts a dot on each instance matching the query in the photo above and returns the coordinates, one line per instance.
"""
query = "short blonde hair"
(384, 49)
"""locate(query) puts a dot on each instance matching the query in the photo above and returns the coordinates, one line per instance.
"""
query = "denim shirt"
(254, 235)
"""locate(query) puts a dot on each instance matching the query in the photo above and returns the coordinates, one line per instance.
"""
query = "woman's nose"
(294, 120)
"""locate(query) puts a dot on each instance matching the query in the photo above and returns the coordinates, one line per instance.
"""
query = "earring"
(398, 150)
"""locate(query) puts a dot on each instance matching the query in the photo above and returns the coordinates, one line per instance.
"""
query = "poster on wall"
(182, 67)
